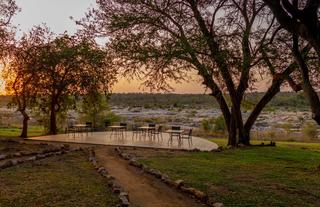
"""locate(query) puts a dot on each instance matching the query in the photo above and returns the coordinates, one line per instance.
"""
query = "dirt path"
(144, 190)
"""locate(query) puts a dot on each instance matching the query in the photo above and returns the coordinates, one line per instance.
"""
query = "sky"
(56, 15)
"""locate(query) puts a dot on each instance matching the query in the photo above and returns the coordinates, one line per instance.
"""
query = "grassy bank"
(63, 181)
(286, 175)
(33, 131)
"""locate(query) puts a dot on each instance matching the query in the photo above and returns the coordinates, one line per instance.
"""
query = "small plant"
(111, 118)
(310, 130)
(219, 124)
(207, 124)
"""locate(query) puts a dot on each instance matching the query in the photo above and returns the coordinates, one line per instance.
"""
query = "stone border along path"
(19, 158)
(177, 184)
(144, 189)
(112, 183)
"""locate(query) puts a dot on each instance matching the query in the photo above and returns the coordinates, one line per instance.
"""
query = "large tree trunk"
(232, 133)
(53, 119)
(309, 91)
(24, 133)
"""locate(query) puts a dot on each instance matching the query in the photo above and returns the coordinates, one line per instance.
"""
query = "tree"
(20, 74)
(8, 9)
(71, 66)
(220, 40)
(92, 105)
(301, 19)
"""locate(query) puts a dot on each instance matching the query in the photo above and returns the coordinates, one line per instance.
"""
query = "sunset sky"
(56, 14)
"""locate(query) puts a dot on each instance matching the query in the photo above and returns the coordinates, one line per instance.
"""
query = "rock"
(17, 154)
(6, 164)
(164, 177)
(116, 188)
(32, 158)
(200, 195)
(66, 147)
(178, 183)
(102, 171)
(110, 177)
(125, 156)
(124, 201)
(134, 163)
(217, 205)
(125, 194)
(14, 162)
(40, 156)
(3, 156)
(118, 150)
(91, 159)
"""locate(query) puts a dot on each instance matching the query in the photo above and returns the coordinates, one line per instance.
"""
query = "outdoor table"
(117, 129)
(176, 133)
(80, 127)
(146, 129)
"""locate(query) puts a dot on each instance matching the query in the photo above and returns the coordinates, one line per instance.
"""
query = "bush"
(207, 124)
(111, 118)
(219, 124)
(310, 130)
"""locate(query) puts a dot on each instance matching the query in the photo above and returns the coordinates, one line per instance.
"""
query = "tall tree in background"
(21, 75)
(220, 40)
(71, 65)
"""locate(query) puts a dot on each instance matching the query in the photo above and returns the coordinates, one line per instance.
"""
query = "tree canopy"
(228, 43)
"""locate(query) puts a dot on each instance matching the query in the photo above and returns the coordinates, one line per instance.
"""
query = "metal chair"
(136, 131)
(157, 132)
(71, 129)
(177, 135)
(187, 136)
(89, 127)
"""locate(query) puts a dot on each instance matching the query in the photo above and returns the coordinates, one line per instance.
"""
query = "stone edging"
(18, 158)
(177, 184)
(112, 183)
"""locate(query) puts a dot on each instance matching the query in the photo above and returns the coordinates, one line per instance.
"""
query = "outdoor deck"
(105, 138)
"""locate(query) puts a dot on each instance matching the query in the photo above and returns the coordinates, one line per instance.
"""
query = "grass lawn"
(63, 181)
(10, 146)
(33, 131)
(285, 175)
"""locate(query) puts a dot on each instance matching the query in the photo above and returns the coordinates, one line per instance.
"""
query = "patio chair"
(71, 129)
(150, 131)
(124, 126)
(136, 131)
(187, 136)
(177, 135)
(89, 127)
(157, 132)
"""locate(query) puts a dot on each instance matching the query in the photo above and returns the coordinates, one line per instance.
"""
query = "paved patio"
(106, 138)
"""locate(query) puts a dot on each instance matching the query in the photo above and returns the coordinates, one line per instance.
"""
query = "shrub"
(207, 124)
(310, 130)
(111, 118)
(219, 124)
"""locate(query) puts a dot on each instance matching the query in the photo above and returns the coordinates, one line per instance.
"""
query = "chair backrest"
(89, 124)
(123, 124)
(135, 127)
(190, 133)
(152, 125)
(176, 128)
(160, 128)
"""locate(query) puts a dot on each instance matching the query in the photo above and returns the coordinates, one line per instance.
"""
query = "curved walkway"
(144, 190)
(106, 138)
